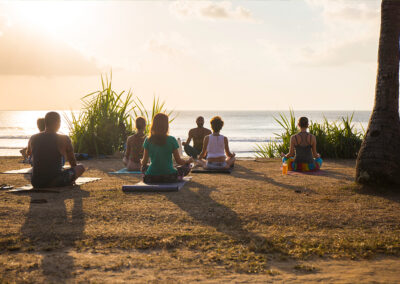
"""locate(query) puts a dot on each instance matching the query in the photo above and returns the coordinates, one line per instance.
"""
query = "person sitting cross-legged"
(216, 147)
(47, 149)
(134, 146)
(197, 134)
(303, 154)
(159, 147)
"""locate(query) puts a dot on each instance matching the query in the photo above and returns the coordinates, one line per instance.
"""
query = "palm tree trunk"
(378, 160)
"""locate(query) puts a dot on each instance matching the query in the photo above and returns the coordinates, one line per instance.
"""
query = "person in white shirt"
(216, 147)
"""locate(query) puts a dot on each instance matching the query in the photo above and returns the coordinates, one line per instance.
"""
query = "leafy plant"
(338, 139)
(157, 107)
(104, 123)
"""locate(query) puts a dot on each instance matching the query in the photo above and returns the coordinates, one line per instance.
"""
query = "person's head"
(52, 121)
(216, 124)
(303, 122)
(140, 123)
(159, 129)
(200, 121)
(40, 124)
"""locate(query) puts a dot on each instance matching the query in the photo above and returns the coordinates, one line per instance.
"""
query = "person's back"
(159, 148)
(216, 146)
(47, 160)
(161, 156)
(303, 148)
(137, 147)
(134, 146)
(47, 149)
(197, 134)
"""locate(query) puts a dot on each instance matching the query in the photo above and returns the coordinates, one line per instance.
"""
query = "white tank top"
(216, 146)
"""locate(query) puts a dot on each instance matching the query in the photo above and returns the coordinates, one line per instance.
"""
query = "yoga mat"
(295, 173)
(162, 187)
(210, 171)
(23, 171)
(29, 187)
(125, 171)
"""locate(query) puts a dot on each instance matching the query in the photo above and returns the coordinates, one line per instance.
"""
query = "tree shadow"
(49, 227)
(389, 192)
(246, 173)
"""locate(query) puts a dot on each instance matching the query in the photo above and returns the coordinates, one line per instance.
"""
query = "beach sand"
(255, 225)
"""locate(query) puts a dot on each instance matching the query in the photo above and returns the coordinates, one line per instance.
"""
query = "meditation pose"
(160, 147)
(24, 151)
(47, 149)
(216, 147)
(303, 147)
(134, 146)
(197, 134)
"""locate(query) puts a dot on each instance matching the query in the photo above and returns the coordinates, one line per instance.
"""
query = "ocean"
(243, 128)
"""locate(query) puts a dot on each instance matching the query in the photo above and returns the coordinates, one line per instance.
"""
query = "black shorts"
(65, 178)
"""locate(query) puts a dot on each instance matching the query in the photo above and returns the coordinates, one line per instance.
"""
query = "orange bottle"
(284, 168)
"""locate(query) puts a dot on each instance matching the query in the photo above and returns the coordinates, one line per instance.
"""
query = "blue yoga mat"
(125, 171)
(161, 187)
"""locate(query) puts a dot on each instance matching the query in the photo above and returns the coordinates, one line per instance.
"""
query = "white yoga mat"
(79, 181)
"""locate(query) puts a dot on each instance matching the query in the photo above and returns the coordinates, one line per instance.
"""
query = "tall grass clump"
(337, 139)
(157, 107)
(104, 123)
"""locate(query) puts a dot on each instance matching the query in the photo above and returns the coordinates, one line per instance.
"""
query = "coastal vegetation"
(107, 119)
(338, 139)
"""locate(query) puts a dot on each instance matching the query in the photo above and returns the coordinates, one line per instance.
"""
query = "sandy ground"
(253, 226)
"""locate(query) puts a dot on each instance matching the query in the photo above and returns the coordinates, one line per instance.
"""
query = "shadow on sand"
(49, 226)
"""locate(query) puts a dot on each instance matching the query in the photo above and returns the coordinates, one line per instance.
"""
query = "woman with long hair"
(303, 154)
(160, 147)
(216, 147)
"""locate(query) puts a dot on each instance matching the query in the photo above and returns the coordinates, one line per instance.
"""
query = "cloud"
(350, 35)
(25, 51)
(172, 44)
(209, 10)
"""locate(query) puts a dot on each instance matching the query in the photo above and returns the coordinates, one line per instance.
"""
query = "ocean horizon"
(242, 127)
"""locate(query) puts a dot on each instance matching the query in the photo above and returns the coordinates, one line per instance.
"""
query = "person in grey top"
(303, 147)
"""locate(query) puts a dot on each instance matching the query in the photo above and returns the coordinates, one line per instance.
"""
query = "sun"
(55, 17)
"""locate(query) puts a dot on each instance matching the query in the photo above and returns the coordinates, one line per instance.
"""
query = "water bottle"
(284, 168)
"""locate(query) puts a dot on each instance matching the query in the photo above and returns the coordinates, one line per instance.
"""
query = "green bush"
(104, 123)
(157, 107)
(338, 139)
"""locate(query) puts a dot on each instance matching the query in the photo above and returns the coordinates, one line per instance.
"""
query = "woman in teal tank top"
(159, 147)
(303, 154)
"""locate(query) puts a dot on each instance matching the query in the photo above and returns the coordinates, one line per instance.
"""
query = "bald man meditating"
(197, 134)
(47, 149)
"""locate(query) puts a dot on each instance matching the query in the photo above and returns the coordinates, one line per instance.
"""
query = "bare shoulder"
(64, 138)
(130, 139)
(207, 131)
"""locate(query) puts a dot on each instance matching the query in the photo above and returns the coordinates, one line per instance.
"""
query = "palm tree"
(378, 160)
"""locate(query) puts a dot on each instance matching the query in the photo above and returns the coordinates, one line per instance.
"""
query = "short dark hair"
(140, 122)
(303, 122)
(200, 118)
(216, 123)
(51, 119)
(41, 124)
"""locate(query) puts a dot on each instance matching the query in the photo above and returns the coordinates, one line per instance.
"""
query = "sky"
(195, 55)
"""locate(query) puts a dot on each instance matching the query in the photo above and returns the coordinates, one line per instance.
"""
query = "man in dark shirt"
(47, 149)
(197, 134)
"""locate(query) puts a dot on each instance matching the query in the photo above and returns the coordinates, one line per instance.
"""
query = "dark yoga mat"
(209, 171)
(163, 187)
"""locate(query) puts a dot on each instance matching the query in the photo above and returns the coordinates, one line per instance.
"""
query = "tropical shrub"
(104, 123)
(337, 139)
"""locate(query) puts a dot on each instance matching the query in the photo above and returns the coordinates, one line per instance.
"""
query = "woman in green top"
(160, 147)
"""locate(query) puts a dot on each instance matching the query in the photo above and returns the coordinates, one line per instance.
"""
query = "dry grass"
(250, 224)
